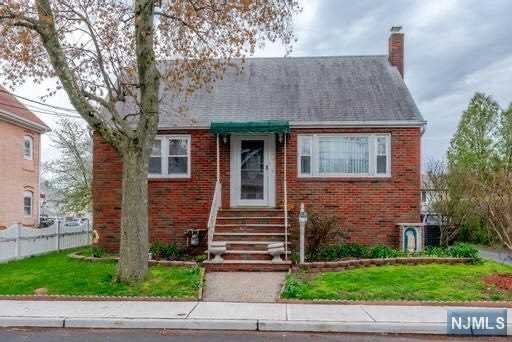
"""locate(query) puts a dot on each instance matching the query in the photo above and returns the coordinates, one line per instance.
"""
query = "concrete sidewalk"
(227, 316)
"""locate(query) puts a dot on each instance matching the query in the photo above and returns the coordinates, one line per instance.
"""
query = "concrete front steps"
(247, 233)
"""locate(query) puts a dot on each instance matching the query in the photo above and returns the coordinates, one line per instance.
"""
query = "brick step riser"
(250, 213)
(277, 238)
(249, 230)
(247, 247)
(276, 220)
(248, 256)
(246, 267)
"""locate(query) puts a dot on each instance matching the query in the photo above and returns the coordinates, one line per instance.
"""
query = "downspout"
(285, 187)
(218, 160)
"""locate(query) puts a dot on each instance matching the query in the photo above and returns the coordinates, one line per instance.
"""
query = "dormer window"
(28, 147)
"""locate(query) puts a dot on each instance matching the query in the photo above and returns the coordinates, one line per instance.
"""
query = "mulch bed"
(502, 281)
(326, 266)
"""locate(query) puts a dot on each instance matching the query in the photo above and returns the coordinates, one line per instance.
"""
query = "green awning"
(250, 127)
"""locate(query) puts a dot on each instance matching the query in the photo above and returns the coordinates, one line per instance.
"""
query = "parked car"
(45, 221)
(71, 222)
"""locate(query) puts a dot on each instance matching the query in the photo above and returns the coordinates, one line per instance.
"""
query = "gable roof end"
(14, 111)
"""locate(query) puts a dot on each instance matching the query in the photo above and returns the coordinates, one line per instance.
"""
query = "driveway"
(499, 255)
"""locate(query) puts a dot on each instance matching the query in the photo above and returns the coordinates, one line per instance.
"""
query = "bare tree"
(71, 172)
(107, 51)
(446, 200)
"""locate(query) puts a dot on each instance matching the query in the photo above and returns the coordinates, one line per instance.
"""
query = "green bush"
(384, 252)
(200, 258)
(436, 251)
(322, 231)
(160, 250)
(350, 250)
(98, 251)
(463, 250)
(293, 288)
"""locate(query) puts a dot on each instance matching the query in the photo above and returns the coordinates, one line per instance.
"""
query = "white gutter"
(13, 118)
(342, 124)
(327, 124)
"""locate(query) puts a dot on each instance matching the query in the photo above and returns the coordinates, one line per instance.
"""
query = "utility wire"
(41, 111)
(53, 110)
(39, 102)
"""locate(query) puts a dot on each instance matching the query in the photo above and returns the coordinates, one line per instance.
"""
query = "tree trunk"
(133, 257)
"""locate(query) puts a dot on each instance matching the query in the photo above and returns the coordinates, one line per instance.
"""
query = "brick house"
(339, 134)
(20, 151)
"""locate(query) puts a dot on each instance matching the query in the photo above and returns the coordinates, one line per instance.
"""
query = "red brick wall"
(368, 208)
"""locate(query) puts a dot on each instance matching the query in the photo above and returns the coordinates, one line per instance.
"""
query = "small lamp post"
(303, 219)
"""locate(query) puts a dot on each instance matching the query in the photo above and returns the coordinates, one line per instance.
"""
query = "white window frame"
(31, 141)
(372, 162)
(28, 194)
(164, 143)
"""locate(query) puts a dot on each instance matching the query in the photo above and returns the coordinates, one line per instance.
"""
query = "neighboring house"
(339, 134)
(20, 151)
(51, 203)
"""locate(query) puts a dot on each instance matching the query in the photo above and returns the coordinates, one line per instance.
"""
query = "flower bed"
(79, 256)
(353, 251)
(324, 266)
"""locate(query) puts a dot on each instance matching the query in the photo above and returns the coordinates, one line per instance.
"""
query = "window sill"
(344, 179)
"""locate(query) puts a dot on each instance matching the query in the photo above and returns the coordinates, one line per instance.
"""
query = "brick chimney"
(396, 49)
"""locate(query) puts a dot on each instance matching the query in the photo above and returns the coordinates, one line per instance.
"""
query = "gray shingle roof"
(301, 89)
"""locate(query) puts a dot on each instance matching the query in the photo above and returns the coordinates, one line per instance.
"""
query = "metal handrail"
(216, 204)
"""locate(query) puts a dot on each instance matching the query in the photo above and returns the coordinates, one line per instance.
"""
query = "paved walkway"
(259, 287)
(228, 316)
(502, 256)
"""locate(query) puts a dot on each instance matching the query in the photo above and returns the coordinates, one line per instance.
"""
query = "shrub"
(98, 251)
(463, 250)
(321, 231)
(436, 251)
(160, 250)
(351, 250)
(293, 288)
(156, 249)
(384, 252)
(200, 258)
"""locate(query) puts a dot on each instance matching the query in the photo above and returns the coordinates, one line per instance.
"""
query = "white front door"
(253, 171)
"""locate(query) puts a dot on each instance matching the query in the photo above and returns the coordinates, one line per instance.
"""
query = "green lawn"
(422, 282)
(65, 276)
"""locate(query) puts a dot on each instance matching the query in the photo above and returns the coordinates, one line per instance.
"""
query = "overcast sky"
(452, 50)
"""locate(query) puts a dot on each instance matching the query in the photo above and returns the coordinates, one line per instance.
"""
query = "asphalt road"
(139, 335)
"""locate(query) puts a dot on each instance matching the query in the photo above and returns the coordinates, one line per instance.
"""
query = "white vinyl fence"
(17, 241)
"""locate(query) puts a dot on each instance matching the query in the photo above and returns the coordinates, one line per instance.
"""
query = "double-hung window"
(27, 203)
(170, 157)
(344, 155)
(28, 148)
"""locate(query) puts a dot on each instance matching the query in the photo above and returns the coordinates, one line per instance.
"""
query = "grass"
(462, 282)
(62, 275)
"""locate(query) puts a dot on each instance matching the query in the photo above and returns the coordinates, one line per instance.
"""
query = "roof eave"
(355, 123)
(328, 124)
(15, 119)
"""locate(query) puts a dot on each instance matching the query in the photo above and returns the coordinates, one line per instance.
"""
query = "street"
(139, 335)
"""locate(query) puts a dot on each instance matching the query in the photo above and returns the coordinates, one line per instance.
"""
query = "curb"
(430, 328)
(353, 327)
(186, 324)
(39, 322)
